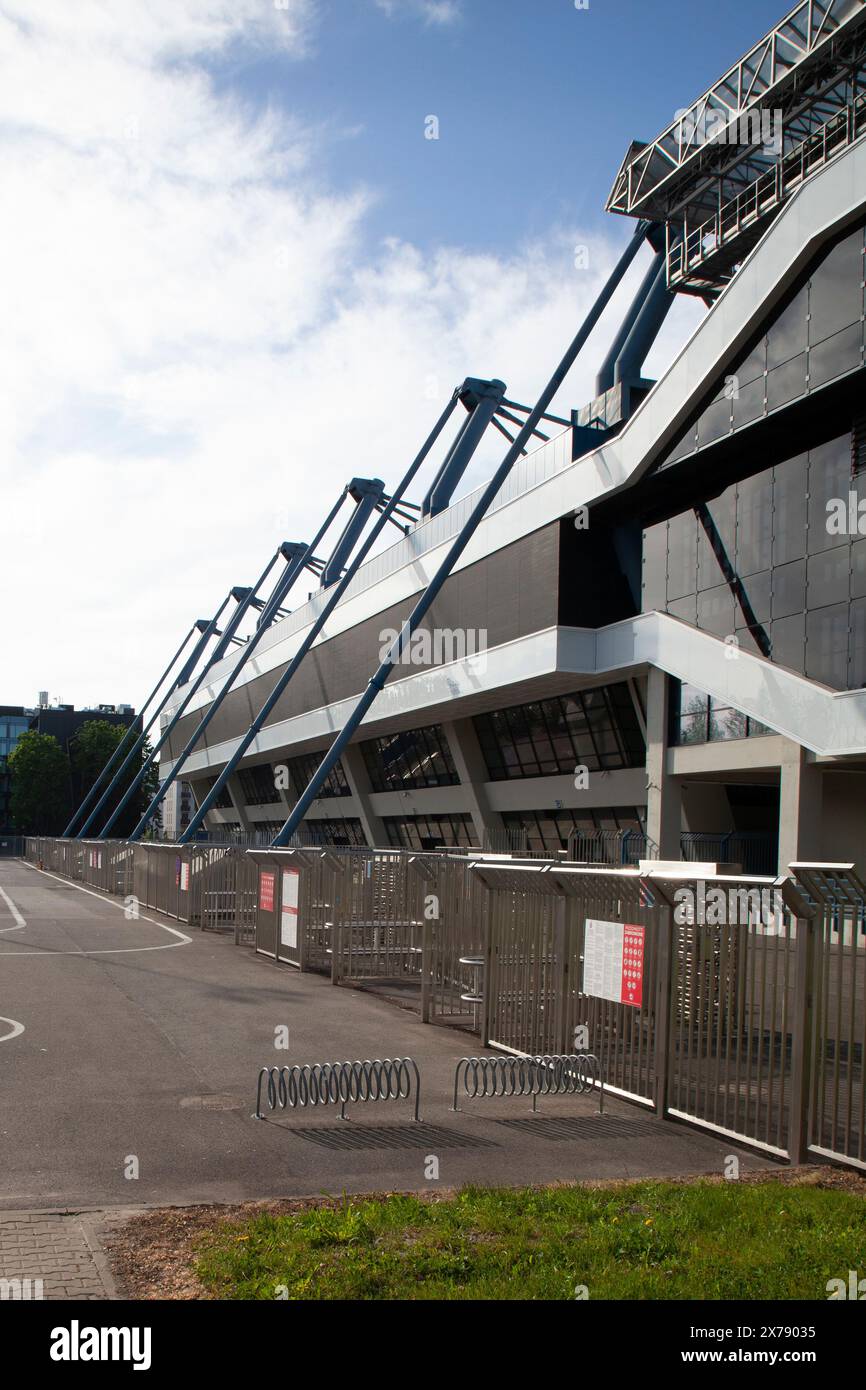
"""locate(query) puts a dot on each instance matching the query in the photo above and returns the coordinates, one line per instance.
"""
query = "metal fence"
(210, 886)
(750, 1018)
(755, 851)
(611, 847)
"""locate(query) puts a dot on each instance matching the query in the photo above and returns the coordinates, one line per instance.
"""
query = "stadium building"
(655, 639)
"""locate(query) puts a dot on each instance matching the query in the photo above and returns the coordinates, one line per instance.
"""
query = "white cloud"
(196, 352)
(441, 12)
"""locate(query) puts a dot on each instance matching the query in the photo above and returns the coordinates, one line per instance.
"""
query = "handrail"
(766, 192)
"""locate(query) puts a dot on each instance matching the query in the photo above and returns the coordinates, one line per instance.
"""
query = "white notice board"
(613, 961)
(289, 909)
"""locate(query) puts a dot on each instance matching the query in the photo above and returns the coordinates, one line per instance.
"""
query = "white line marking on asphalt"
(17, 1029)
(183, 939)
(16, 916)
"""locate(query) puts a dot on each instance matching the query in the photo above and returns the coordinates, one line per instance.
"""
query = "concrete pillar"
(359, 782)
(800, 806)
(472, 771)
(664, 795)
(237, 796)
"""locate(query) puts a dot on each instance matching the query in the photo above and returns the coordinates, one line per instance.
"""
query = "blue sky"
(537, 103)
(236, 274)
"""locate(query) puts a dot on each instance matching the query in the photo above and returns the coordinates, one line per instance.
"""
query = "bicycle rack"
(497, 1077)
(338, 1083)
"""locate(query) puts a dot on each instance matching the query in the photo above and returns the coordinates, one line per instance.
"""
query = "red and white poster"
(184, 877)
(267, 883)
(289, 909)
(632, 964)
(613, 961)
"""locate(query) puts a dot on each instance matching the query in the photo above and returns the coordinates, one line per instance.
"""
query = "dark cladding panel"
(506, 595)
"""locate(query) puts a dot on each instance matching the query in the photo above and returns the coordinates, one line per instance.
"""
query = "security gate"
(751, 1016)
(535, 950)
(837, 1081)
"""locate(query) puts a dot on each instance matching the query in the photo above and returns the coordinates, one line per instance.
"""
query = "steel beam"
(283, 587)
(199, 627)
(459, 545)
(333, 599)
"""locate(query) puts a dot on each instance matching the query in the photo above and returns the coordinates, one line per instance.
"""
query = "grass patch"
(647, 1240)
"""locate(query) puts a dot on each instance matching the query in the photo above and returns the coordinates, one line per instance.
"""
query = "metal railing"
(340, 1083)
(755, 851)
(486, 1078)
(766, 194)
(613, 847)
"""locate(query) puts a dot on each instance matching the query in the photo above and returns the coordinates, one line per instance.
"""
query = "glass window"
(335, 832)
(415, 758)
(548, 831)
(224, 801)
(303, 769)
(592, 728)
(258, 785)
(429, 832)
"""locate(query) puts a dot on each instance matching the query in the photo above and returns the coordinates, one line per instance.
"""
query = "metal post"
(333, 600)
(801, 1039)
(484, 398)
(116, 754)
(375, 685)
(285, 584)
(664, 924)
(367, 494)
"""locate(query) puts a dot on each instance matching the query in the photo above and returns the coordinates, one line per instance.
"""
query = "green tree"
(39, 799)
(90, 749)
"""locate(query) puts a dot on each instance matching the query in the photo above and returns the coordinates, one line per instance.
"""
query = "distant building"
(177, 810)
(61, 721)
(14, 721)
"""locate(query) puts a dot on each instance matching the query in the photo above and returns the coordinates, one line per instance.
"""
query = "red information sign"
(267, 883)
(632, 964)
(613, 956)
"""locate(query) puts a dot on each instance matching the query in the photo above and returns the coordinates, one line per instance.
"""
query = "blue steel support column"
(646, 326)
(196, 627)
(333, 599)
(366, 493)
(605, 378)
(292, 552)
(208, 632)
(486, 397)
(231, 628)
(279, 594)
(332, 757)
